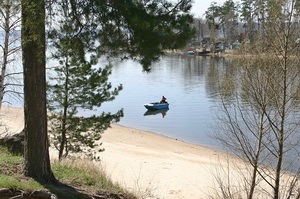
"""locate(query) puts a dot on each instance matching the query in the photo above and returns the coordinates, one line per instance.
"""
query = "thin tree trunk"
(5, 51)
(282, 113)
(278, 169)
(64, 119)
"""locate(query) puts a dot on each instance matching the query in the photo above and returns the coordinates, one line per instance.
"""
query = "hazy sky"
(200, 6)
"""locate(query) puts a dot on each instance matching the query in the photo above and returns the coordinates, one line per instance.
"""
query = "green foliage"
(77, 85)
(15, 182)
(11, 177)
(7, 157)
(80, 173)
(87, 174)
(223, 18)
(212, 15)
(85, 30)
(73, 172)
(138, 30)
(246, 10)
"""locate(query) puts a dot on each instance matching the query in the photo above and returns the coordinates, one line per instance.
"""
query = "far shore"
(152, 165)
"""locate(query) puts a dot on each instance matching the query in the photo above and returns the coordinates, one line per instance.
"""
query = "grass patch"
(19, 182)
(81, 172)
(7, 157)
(11, 172)
(78, 178)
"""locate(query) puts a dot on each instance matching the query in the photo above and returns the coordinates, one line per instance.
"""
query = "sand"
(158, 166)
(11, 120)
(150, 165)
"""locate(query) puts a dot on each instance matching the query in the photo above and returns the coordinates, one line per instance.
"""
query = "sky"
(200, 6)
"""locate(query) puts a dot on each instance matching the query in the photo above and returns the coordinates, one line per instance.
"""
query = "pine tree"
(77, 84)
(127, 29)
(135, 29)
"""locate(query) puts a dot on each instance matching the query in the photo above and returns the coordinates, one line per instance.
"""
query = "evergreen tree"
(229, 21)
(139, 30)
(91, 28)
(247, 16)
(135, 29)
(213, 19)
(77, 85)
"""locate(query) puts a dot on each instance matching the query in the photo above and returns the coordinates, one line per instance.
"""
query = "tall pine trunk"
(37, 161)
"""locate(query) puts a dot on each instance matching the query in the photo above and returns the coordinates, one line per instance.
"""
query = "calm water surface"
(190, 86)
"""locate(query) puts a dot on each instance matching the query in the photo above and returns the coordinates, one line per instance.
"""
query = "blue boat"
(156, 106)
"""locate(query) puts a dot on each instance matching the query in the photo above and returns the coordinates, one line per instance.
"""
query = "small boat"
(156, 106)
(189, 52)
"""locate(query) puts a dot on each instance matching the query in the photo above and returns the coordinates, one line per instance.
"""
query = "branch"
(14, 50)
(15, 23)
(14, 92)
(11, 74)
(18, 85)
(175, 7)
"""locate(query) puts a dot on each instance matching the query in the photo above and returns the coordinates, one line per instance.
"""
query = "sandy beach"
(151, 165)
(155, 166)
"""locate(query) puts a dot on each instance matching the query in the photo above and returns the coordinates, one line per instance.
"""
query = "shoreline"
(157, 166)
(153, 165)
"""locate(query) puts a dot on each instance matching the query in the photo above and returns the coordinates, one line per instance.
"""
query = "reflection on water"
(190, 85)
(162, 112)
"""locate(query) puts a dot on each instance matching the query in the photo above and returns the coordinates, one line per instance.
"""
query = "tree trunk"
(64, 116)
(5, 50)
(36, 152)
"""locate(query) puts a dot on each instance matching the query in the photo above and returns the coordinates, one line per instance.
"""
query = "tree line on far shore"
(239, 22)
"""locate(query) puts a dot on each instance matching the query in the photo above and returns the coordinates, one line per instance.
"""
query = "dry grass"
(78, 178)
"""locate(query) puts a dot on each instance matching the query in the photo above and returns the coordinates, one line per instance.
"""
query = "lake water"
(191, 85)
(188, 83)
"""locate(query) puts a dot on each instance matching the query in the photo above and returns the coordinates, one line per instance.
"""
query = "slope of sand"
(160, 167)
(11, 120)
(151, 165)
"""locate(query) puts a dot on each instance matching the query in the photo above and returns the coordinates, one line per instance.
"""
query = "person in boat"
(163, 100)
